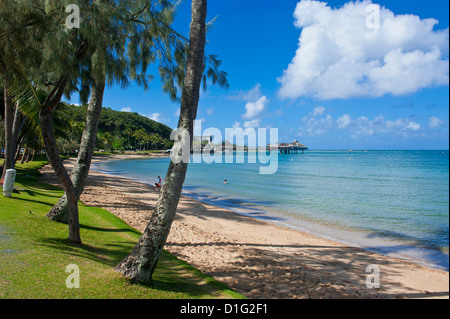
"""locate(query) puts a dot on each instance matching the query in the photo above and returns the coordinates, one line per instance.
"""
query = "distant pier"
(290, 148)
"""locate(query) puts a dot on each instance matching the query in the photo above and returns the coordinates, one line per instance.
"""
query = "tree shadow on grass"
(41, 188)
(111, 230)
(22, 190)
(108, 254)
(176, 276)
(171, 275)
(193, 289)
(33, 201)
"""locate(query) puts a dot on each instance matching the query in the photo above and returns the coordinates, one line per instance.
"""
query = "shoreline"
(427, 256)
(327, 232)
(260, 259)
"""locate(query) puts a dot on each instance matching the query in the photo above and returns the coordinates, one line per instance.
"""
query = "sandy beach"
(256, 258)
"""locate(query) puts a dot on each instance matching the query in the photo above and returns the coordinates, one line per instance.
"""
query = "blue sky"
(329, 75)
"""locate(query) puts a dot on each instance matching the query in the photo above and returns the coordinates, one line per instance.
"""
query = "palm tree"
(60, 211)
(122, 36)
(110, 27)
(146, 140)
(8, 127)
(140, 135)
(140, 264)
(8, 54)
(156, 141)
(128, 132)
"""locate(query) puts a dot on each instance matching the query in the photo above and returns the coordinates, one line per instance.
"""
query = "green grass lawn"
(34, 252)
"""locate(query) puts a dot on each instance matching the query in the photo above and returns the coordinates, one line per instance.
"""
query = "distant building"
(289, 148)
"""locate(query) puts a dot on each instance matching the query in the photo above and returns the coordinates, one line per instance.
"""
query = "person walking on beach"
(158, 185)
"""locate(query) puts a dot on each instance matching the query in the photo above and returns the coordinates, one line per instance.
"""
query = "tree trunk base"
(60, 212)
(140, 264)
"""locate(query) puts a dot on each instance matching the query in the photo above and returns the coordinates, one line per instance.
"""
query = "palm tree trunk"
(140, 264)
(80, 171)
(17, 148)
(18, 123)
(32, 156)
(25, 156)
(51, 150)
(9, 152)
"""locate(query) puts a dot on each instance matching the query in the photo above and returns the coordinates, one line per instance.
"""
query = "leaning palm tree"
(116, 42)
(151, 38)
(140, 264)
(7, 126)
(14, 19)
(66, 61)
(60, 210)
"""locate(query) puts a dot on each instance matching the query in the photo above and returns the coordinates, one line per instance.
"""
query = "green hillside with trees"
(117, 131)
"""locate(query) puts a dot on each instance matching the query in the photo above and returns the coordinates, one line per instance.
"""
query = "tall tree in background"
(9, 52)
(140, 264)
(51, 59)
(60, 211)
(8, 126)
(151, 32)
(127, 35)
(151, 37)
(65, 65)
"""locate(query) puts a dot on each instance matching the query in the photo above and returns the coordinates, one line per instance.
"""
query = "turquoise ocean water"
(392, 202)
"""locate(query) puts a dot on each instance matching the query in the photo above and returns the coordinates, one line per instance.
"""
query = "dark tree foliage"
(117, 122)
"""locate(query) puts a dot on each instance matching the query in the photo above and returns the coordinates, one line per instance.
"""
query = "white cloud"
(251, 95)
(256, 104)
(412, 126)
(154, 116)
(126, 109)
(210, 111)
(340, 57)
(363, 126)
(253, 123)
(319, 110)
(435, 122)
(278, 112)
(344, 121)
(254, 109)
(315, 123)
(236, 125)
(247, 124)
